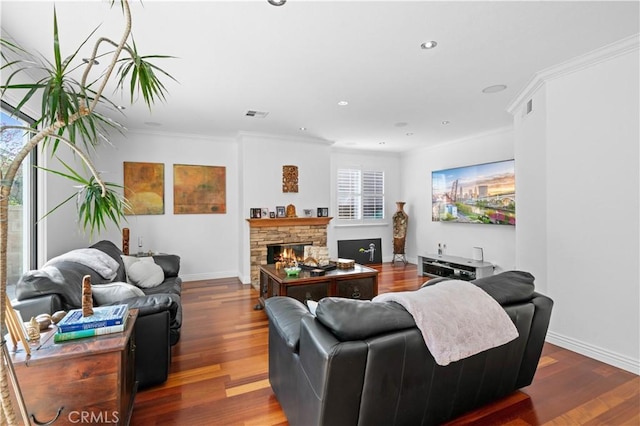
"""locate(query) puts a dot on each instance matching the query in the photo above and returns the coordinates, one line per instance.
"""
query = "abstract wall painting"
(144, 188)
(199, 189)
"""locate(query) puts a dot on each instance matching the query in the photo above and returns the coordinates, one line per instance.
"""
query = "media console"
(442, 265)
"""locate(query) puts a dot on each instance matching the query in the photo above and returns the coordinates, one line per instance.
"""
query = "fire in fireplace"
(286, 252)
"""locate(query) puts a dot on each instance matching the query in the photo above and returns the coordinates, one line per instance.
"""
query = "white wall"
(389, 163)
(215, 246)
(261, 160)
(531, 190)
(60, 227)
(586, 174)
(498, 241)
(207, 243)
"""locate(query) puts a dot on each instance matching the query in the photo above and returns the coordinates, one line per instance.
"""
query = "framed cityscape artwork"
(480, 193)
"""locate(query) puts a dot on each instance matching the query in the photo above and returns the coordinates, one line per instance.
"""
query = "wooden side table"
(89, 380)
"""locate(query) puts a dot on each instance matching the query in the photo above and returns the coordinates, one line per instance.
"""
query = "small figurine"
(33, 330)
(87, 300)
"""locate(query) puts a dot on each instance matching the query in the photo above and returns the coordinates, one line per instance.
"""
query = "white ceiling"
(297, 61)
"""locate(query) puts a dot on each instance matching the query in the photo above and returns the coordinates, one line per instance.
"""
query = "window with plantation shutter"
(360, 194)
(372, 195)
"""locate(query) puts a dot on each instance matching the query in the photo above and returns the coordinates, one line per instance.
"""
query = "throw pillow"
(130, 260)
(146, 274)
(105, 294)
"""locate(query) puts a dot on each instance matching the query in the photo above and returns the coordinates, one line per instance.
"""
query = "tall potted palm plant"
(68, 117)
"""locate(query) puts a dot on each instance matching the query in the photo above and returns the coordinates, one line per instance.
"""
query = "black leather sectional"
(365, 363)
(160, 311)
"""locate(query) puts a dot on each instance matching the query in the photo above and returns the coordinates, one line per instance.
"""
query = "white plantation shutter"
(360, 194)
(372, 195)
(349, 188)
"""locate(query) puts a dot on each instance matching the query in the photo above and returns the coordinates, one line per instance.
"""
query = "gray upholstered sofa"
(58, 286)
(364, 363)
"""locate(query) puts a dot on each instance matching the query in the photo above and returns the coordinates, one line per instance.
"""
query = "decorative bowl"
(292, 270)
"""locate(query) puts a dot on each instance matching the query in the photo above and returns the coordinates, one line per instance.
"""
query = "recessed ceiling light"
(277, 2)
(429, 45)
(494, 89)
(303, 128)
(343, 103)
(446, 122)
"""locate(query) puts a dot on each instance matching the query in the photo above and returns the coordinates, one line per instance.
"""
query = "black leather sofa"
(159, 319)
(364, 363)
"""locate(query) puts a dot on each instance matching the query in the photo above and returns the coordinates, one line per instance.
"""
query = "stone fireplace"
(282, 231)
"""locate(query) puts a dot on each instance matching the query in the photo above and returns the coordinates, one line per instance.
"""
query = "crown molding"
(492, 132)
(365, 151)
(283, 138)
(576, 64)
(160, 133)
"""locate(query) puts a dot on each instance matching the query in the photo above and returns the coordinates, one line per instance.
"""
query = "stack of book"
(105, 320)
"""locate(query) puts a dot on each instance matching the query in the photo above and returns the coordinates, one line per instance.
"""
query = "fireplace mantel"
(288, 221)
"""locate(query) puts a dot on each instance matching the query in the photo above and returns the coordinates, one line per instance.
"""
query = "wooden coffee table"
(359, 282)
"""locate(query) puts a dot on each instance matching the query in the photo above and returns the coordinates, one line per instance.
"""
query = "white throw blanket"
(95, 259)
(457, 319)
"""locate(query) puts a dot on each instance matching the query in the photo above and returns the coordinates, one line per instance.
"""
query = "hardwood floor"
(219, 371)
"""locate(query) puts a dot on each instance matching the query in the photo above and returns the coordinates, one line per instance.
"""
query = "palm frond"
(67, 107)
(141, 75)
(94, 209)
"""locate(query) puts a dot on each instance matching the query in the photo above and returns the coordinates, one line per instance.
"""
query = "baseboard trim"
(595, 352)
(208, 276)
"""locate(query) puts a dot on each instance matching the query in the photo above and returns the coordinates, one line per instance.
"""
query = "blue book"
(103, 316)
(81, 334)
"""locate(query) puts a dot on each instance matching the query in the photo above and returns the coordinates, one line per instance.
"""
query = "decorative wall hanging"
(199, 189)
(289, 178)
(144, 187)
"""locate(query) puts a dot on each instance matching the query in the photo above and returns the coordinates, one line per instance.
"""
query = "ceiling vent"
(256, 114)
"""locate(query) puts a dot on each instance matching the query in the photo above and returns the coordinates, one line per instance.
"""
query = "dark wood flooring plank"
(219, 371)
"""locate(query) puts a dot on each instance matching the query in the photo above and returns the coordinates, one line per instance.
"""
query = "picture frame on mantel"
(323, 212)
(280, 211)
